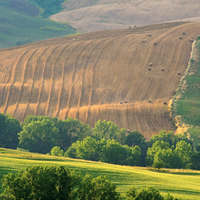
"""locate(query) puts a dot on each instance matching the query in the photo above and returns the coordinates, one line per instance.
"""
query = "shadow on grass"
(188, 192)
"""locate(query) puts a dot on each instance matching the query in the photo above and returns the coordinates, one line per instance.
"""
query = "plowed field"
(86, 76)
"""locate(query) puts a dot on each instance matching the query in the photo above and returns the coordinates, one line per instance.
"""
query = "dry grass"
(92, 15)
(86, 76)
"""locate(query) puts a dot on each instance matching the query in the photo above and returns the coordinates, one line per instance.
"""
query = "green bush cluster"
(105, 142)
(103, 150)
(59, 183)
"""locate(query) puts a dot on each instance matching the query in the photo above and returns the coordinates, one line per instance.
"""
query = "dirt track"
(94, 15)
(86, 76)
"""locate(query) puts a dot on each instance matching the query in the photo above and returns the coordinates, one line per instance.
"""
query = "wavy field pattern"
(86, 76)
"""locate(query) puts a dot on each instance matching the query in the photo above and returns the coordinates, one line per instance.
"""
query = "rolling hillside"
(20, 24)
(182, 183)
(94, 15)
(86, 76)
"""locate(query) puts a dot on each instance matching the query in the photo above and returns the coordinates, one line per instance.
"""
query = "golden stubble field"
(86, 76)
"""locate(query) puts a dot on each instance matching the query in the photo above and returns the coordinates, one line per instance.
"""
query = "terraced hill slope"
(94, 15)
(86, 76)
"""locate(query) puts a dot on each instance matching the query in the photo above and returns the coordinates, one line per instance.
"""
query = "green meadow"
(184, 184)
(17, 27)
(187, 101)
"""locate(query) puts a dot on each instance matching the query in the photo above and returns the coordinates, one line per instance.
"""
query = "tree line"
(59, 183)
(105, 142)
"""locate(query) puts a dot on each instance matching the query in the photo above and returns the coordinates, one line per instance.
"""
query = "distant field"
(86, 76)
(184, 185)
(16, 28)
(95, 15)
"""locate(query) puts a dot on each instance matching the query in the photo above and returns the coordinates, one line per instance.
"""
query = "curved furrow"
(73, 100)
(86, 78)
(47, 78)
(34, 81)
(83, 57)
(62, 77)
(159, 76)
(11, 101)
(74, 72)
(45, 91)
(67, 71)
(46, 69)
(152, 122)
(28, 80)
(154, 52)
(20, 96)
(97, 59)
(143, 70)
(58, 82)
(69, 66)
(131, 72)
(120, 65)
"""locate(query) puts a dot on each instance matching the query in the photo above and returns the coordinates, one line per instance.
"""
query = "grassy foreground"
(183, 184)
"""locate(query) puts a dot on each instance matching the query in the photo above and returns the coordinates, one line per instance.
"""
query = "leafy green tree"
(38, 136)
(121, 136)
(184, 152)
(70, 130)
(134, 138)
(151, 152)
(133, 156)
(105, 129)
(55, 151)
(168, 158)
(31, 118)
(88, 149)
(113, 152)
(158, 164)
(9, 127)
(56, 183)
(71, 152)
(99, 188)
(195, 161)
(169, 137)
(148, 193)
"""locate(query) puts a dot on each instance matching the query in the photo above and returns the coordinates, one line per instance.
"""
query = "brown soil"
(94, 15)
(86, 76)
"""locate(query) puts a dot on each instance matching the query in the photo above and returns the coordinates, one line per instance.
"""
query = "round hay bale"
(149, 35)
(155, 43)
(180, 38)
(179, 73)
(165, 103)
(149, 69)
(128, 130)
(126, 101)
(149, 101)
(162, 70)
(184, 33)
(120, 102)
(150, 64)
(143, 40)
(191, 40)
